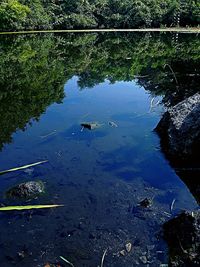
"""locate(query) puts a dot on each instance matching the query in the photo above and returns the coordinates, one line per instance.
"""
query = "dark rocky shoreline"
(180, 125)
(179, 130)
(182, 234)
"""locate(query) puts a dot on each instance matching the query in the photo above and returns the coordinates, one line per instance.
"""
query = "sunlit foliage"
(81, 14)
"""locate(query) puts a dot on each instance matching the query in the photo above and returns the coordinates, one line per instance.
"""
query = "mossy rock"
(27, 190)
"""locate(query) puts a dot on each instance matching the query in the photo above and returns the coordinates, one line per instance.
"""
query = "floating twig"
(23, 167)
(29, 207)
(103, 257)
(112, 124)
(49, 134)
(65, 260)
(172, 205)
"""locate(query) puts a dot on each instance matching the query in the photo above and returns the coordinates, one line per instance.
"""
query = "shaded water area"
(50, 85)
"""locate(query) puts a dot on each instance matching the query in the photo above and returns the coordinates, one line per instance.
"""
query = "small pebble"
(144, 259)
(128, 247)
(122, 252)
(21, 254)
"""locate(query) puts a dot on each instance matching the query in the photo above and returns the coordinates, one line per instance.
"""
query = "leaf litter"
(23, 167)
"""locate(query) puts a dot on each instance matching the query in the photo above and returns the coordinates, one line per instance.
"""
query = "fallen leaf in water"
(23, 167)
(29, 207)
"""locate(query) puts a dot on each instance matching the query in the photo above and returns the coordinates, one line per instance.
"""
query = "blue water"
(98, 175)
(52, 84)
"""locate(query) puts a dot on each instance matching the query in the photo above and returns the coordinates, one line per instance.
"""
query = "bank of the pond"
(181, 30)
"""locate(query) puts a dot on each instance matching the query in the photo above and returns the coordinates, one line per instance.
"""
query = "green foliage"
(38, 18)
(191, 12)
(81, 14)
(12, 14)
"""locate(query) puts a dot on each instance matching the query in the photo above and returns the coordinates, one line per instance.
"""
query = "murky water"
(50, 84)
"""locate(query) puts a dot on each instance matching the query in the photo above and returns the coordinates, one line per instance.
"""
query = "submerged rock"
(122, 252)
(91, 125)
(26, 190)
(181, 126)
(182, 234)
(147, 202)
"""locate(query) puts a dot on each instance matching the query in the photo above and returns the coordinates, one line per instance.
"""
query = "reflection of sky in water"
(94, 166)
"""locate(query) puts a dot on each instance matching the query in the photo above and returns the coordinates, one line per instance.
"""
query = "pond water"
(50, 85)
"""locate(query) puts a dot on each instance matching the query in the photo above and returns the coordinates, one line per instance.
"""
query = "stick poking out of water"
(172, 205)
(103, 257)
(65, 260)
(23, 167)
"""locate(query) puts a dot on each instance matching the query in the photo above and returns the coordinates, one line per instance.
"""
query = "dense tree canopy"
(67, 14)
(13, 14)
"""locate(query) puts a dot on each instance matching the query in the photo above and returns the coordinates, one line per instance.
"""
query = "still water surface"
(49, 86)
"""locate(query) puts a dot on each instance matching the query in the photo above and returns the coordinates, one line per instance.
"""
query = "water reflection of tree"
(158, 64)
(32, 77)
(33, 69)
